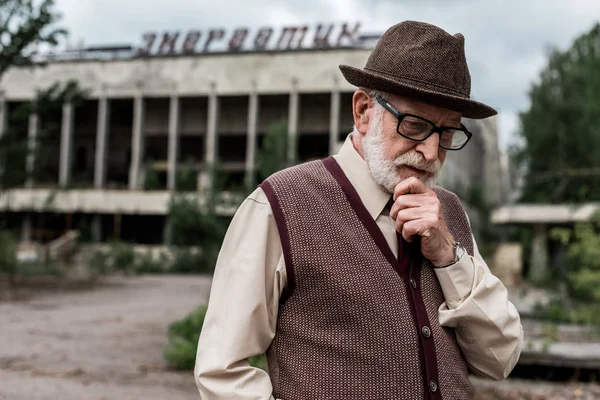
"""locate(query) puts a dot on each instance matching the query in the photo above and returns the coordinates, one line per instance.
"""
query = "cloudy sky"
(506, 41)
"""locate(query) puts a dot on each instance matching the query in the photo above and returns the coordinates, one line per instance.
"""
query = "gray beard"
(385, 171)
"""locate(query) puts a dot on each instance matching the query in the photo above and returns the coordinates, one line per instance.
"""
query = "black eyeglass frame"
(400, 116)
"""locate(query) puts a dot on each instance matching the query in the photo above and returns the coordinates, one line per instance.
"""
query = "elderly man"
(357, 276)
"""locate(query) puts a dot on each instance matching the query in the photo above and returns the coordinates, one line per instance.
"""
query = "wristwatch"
(459, 251)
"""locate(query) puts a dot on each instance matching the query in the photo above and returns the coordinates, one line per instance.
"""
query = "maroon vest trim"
(363, 214)
(406, 269)
(284, 238)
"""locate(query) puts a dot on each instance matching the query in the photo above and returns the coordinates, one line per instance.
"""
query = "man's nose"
(430, 147)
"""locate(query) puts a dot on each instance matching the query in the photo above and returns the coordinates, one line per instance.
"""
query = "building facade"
(196, 109)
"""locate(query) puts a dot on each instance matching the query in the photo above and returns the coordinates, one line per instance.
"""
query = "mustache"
(414, 160)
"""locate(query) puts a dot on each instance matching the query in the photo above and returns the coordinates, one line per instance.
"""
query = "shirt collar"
(373, 196)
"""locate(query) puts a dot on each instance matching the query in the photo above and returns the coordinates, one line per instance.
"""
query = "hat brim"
(372, 80)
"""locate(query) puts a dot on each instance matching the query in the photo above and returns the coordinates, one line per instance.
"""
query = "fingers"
(411, 185)
(415, 221)
(426, 200)
(410, 229)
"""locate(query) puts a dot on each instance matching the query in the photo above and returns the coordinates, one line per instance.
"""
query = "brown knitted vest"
(355, 322)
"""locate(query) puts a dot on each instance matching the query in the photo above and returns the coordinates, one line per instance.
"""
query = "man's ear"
(360, 110)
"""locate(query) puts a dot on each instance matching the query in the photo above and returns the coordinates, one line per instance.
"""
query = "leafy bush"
(151, 179)
(569, 312)
(120, 256)
(186, 176)
(180, 352)
(190, 261)
(582, 260)
(8, 256)
(146, 264)
(579, 277)
(123, 257)
(191, 225)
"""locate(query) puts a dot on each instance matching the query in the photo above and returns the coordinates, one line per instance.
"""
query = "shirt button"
(426, 332)
(413, 283)
(433, 386)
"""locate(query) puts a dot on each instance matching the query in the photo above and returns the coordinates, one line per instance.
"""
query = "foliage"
(121, 257)
(582, 260)
(183, 339)
(578, 278)
(560, 311)
(8, 257)
(186, 176)
(24, 25)
(564, 121)
(192, 225)
(180, 351)
(14, 144)
(188, 260)
(12, 267)
(272, 155)
(146, 264)
(188, 222)
(151, 180)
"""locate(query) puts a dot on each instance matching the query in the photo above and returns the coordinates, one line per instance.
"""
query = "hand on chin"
(417, 212)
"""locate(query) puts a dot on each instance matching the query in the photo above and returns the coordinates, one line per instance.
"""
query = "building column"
(26, 228)
(3, 112)
(137, 143)
(101, 142)
(173, 142)
(334, 122)
(293, 123)
(30, 167)
(539, 253)
(97, 229)
(3, 121)
(66, 145)
(210, 155)
(31, 148)
(251, 141)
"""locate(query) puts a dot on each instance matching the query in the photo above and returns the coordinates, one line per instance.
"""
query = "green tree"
(561, 129)
(272, 155)
(578, 281)
(25, 25)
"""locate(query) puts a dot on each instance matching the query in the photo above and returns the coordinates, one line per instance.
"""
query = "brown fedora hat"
(423, 61)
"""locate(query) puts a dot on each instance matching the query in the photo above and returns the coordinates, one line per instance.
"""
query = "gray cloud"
(506, 41)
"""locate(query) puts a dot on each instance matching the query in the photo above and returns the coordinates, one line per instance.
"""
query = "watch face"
(460, 251)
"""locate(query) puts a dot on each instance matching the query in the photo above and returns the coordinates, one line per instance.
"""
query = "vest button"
(433, 386)
(426, 332)
(413, 283)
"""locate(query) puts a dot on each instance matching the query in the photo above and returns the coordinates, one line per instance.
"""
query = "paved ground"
(106, 343)
(97, 344)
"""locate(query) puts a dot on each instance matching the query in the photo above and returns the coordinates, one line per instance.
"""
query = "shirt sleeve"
(488, 326)
(243, 304)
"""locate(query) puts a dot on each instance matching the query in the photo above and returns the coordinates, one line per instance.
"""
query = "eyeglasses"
(419, 129)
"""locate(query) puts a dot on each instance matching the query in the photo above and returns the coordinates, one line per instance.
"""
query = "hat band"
(421, 83)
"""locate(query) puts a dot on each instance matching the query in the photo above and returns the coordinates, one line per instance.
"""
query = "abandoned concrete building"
(163, 110)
